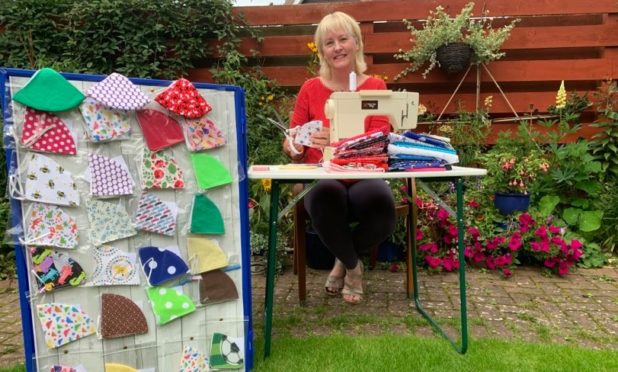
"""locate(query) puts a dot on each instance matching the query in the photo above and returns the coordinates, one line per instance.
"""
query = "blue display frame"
(16, 215)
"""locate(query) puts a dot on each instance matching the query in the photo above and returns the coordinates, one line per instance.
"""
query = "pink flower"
(468, 252)
(491, 263)
(541, 232)
(419, 234)
(507, 273)
(474, 232)
(500, 261)
(576, 244)
(577, 254)
(426, 247)
(452, 231)
(478, 257)
(526, 219)
(515, 241)
(550, 262)
(563, 268)
(450, 264)
(554, 229)
(433, 262)
(442, 214)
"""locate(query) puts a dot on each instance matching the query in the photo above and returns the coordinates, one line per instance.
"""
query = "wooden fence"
(571, 40)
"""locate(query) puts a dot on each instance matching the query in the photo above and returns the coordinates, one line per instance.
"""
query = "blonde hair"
(339, 21)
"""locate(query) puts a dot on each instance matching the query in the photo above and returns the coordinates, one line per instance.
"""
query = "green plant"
(604, 145)
(440, 29)
(102, 36)
(514, 163)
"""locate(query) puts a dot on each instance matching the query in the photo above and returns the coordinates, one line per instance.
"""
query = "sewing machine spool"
(347, 112)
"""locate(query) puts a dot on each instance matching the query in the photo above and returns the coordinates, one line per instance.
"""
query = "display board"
(129, 216)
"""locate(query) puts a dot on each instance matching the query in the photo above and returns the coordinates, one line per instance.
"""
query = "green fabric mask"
(205, 217)
(47, 90)
(169, 303)
(209, 171)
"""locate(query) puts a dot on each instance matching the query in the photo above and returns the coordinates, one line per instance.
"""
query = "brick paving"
(580, 309)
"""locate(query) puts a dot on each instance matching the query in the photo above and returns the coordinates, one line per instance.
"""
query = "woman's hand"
(294, 155)
(321, 138)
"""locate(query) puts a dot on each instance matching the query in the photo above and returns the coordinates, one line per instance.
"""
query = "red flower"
(433, 262)
(159, 163)
(507, 273)
(563, 268)
(179, 184)
(419, 234)
(473, 204)
(158, 174)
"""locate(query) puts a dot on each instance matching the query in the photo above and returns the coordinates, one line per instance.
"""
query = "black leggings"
(333, 205)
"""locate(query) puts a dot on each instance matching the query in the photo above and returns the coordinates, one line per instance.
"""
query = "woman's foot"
(334, 282)
(353, 285)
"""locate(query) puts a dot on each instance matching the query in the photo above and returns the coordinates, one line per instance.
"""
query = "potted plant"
(511, 173)
(473, 39)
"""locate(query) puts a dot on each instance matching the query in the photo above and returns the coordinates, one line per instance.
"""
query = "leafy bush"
(134, 37)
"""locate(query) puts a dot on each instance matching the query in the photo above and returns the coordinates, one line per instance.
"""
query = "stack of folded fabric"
(417, 152)
(366, 152)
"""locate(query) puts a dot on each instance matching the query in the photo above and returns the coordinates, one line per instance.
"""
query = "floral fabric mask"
(49, 225)
(48, 182)
(183, 99)
(104, 124)
(202, 134)
(45, 132)
(109, 177)
(156, 216)
(193, 361)
(118, 92)
(64, 323)
(55, 270)
(114, 267)
(161, 171)
(108, 222)
(47, 90)
(121, 317)
(169, 303)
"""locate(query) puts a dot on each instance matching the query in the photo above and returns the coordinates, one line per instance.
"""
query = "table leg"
(271, 266)
(462, 278)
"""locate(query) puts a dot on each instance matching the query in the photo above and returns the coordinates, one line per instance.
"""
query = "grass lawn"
(412, 353)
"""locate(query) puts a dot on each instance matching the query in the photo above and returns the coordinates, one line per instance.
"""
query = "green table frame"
(462, 346)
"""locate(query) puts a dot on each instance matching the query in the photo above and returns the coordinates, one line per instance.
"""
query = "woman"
(333, 204)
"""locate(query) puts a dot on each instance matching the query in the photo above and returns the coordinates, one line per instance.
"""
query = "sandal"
(334, 284)
(353, 295)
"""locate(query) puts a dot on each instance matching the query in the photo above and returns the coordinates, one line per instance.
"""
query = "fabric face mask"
(114, 267)
(169, 303)
(154, 215)
(193, 361)
(48, 182)
(104, 124)
(109, 177)
(183, 99)
(121, 317)
(209, 171)
(108, 222)
(202, 134)
(49, 225)
(225, 352)
(45, 132)
(161, 265)
(160, 130)
(118, 92)
(59, 368)
(64, 323)
(206, 217)
(161, 171)
(216, 287)
(55, 270)
(47, 90)
(205, 255)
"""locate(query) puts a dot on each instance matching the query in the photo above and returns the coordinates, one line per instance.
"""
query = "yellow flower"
(489, 100)
(561, 97)
(312, 47)
(267, 184)
(270, 97)
(421, 109)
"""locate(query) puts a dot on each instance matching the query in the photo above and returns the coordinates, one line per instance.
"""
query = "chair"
(300, 253)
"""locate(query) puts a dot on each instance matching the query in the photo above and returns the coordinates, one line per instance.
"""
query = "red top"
(310, 106)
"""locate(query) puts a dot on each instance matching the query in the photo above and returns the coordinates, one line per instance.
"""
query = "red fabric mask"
(160, 131)
(183, 98)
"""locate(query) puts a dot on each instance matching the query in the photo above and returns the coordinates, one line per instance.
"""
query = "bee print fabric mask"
(48, 182)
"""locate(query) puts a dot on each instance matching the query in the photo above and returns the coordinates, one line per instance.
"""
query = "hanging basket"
(454, 57)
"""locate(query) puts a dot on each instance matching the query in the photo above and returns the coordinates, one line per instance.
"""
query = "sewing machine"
(347, 112)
